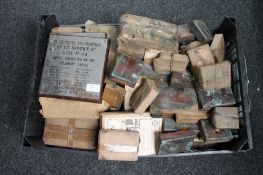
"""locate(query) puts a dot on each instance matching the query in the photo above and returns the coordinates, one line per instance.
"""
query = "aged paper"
(147, 127)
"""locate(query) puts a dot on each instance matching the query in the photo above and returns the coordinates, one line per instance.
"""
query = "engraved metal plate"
(74, 68)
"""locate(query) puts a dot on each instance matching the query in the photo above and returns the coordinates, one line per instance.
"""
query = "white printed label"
(121, 149)
(93, 88)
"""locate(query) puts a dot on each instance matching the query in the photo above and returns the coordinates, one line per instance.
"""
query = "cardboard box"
(71, 133)
(118, 145)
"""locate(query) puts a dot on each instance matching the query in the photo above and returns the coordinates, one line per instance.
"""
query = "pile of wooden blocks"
(167, 90)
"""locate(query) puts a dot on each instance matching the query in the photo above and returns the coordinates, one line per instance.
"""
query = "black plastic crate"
(34, 123)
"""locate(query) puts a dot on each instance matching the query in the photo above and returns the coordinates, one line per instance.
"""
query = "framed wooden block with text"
(74, 68)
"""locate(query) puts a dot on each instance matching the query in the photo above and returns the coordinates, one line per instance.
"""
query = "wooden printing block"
(143, 96)
(161, 81)
(213, 98)
(147, 71)
(163, 115)
(170, 125)
(225, 118)
(176, 142)
(209, 134)
(200, 56)
(179, 63)
(192, 45)
(118, 145)
(162, 64)
(199, 143)
(150, 54)
(183, 116)
(215, 76)
(127, 70)
(182, 79)
(191, 118)
(114, 95)
(175, 99)
(130, 46)
(128, 93)
(71, 133)
(201, 31)
(157, 27)
(136, 46)
(66, 29)
(218, 47)
(184, 34)
(186, 121)
(149, 33)
(61, 108)
(112, 32)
